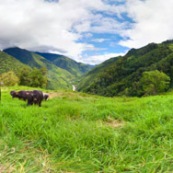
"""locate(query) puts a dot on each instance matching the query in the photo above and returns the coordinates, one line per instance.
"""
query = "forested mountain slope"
(9, 63)
(57, 77)
(121, 75)
(75, 68)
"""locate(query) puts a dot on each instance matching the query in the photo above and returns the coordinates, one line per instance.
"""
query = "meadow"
(79, 133)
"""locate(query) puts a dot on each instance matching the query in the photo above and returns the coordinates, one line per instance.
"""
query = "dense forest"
(144, 71)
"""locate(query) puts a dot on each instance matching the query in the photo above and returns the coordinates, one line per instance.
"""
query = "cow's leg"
(39, 103)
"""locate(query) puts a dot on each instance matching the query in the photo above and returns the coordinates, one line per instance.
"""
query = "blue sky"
(88, 31)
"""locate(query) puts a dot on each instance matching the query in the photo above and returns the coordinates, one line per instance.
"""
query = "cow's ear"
(11, 92)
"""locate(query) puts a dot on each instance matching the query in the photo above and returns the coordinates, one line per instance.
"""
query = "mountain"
(9, 63)
(75, 68)
(23, 56)
(61, 69)
(57, 77)
(120, 75)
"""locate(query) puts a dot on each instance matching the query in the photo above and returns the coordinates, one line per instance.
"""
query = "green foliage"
(25, 76)
(121, 75)
(39, 78)
(154, 82)
(35, 77)
(9, 78)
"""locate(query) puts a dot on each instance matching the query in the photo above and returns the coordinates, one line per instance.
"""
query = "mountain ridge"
(119, 75)
(9, 63)
(76, 68)
(57, 77)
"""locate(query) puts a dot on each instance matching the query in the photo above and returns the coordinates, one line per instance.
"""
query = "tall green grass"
(75, 132)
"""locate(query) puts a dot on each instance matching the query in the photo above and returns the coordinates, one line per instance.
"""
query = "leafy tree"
(39, 78)
(9, 78)
(154, 82)
(24, 76)
(34, 77)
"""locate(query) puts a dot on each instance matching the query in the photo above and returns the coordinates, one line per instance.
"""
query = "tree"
(154, 82)
(34, 77)
(9, 78)
(24, 76)
(39, 78)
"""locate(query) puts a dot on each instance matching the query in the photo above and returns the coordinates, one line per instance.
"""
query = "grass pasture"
(79, 133)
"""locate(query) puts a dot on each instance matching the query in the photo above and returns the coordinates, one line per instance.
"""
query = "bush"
(154, 82)
(9, 78)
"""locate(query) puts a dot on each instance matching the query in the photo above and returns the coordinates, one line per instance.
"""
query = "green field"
(79, 133)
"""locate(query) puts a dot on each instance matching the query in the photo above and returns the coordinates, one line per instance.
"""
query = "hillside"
(57, 77)
(120, 75)
(23, 56)
(9, 63)
(75, 68)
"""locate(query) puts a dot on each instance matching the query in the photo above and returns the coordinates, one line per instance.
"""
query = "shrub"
(154, 82)
(9, 78)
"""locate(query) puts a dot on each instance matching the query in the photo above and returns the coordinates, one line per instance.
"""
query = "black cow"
(37, 97)
(32, 97)
(24, 95)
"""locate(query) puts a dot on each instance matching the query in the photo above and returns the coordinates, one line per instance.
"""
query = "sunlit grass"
(76, 132)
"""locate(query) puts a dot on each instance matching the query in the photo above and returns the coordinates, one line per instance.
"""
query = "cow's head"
(14, 94)
(45, 96)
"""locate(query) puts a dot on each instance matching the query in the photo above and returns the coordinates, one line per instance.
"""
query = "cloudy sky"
(88, 31)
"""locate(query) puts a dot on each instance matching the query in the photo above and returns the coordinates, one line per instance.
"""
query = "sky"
(88, 31)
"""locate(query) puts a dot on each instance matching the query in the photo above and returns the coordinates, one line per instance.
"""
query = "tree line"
(26, 76)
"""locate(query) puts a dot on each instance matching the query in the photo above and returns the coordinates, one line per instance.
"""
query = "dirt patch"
(6, 169)
(115, 123)
(57, 94)
(53, 95)
(2, 168)
(69, 95)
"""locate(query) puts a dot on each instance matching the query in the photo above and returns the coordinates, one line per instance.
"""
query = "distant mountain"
(8, 63)
(61, 69)
(23, 56)
(75, 68)
(57, 77)
(118, 75)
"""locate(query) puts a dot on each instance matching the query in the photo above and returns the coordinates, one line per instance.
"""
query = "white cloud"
(42, 26)
(62, 26)
(36, 24)
(97, 59)
(153, 22)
